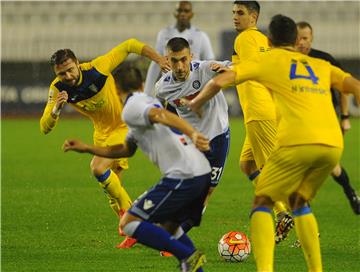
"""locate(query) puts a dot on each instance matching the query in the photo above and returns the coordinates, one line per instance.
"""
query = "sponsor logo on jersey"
(93, 88)
(183, 141)
(196, 84)
(195, 65)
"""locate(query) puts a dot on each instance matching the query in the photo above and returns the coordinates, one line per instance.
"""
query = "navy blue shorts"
(219, 149)
(174, 200)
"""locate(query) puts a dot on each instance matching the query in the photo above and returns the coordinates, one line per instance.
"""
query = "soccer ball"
(234, 247)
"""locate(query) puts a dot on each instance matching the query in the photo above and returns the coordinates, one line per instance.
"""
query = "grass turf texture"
(55, 217)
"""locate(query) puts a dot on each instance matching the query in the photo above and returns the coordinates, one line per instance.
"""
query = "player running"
(180, 193)
(90, 89)
(257, 105)
(339, 174)
(309, 137)
(185, 80)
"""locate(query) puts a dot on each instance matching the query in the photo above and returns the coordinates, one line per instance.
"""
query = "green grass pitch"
(56, 218)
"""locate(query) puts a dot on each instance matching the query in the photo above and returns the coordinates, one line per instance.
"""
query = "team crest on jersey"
(93, 88)
(196, 84)
(195, 65)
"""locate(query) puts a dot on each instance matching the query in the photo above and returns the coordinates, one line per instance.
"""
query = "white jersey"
(214, 120)
(200, 47)
(173, 153)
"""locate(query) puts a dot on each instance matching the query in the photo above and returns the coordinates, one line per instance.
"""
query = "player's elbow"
(352, 85)
(131, 44)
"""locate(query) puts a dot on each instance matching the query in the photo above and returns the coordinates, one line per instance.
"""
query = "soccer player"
(309, 138)
(184, 82)
(199, 41)
(257, 105)
(90, 89)
(304, 42)
(180, 193)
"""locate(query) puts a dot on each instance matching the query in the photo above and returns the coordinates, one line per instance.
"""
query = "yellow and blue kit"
(95, 95)
(256, 101)
(309, 134)
(300, 86)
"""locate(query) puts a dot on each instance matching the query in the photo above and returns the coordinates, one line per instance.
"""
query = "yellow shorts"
(301, 168)
(259, 141)
(116, 137)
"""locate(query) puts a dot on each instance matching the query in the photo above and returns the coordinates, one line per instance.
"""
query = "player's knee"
(336, 171)
(247, 167)
(116, 168)
(170, 227)
(296, 201)
(129, 223)
(97, 169)
(263, 201)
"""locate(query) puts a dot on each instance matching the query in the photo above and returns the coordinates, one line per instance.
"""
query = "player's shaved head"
(61, 56)
(177, 44)
(282, 31)
(128, 78)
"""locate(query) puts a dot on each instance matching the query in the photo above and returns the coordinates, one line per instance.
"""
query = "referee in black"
(305, 38)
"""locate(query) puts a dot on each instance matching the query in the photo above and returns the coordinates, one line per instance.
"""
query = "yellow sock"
(308, 234)
(113, 204)
(279, 207)
(118, 197)
(263, 239)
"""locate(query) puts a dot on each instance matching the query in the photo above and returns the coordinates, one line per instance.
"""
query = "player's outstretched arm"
(108, 62)
(115, 151)
(162, 116)
(162, 61)
(227, 78)
(352, 85)
(344, 109)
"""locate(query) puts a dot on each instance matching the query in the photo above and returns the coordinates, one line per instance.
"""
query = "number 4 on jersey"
(311, 75)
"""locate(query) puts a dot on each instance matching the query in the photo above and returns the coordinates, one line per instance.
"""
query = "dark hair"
(62, 55)
(128, 78)
(250, 5)
(282, 31)
(304, 24)
(177, 44)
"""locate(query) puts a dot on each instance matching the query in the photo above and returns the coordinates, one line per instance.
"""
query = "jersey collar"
(80, 78)
(127, 98)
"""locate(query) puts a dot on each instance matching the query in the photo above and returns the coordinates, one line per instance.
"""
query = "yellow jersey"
(95, 96)
(300, 86)
(255, 100)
